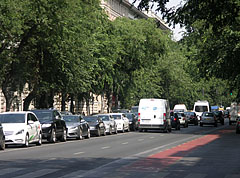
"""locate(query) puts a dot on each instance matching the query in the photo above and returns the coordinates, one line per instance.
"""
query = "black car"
(133, 121)
(53, 125)
(191, 117)
(2, 138)
(220, 117)
(175, 121)
(97, 126)
(77, 127)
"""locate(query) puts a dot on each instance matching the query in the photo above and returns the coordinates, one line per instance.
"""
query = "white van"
(180, 108)
(200, 107)
(154, 114)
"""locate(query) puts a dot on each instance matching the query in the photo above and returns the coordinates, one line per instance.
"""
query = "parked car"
(175, 122)
(77, 127)
(53, 126)
(122, 121)
(2, 138)
(110, 124)
(21, 128)
(219, 116)
(238, 127)
(191, 117)
(133, 121)
(183, 119)
(208, 118)
(97, 126)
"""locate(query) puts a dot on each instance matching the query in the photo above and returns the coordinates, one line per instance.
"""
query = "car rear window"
(208, 114)
(12, 118)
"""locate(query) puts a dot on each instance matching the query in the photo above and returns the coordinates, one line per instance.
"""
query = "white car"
(110, 123)
(121, 121)
(21, 128)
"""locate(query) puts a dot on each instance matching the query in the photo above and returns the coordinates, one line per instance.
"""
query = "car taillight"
(139, 117)
(175, 119)
(164, 117)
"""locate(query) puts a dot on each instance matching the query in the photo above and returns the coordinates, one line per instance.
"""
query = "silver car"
(110, 124)
(208, 118)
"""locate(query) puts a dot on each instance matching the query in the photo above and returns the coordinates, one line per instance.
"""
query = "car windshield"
(135, 109)
(71, 118)
(43, 115)
(189, 113)
(201, 108)
(180, 114)
(91, 119)
(104, 118)
(12, 118)
(129, 116)
(117, 117)
(207, 114)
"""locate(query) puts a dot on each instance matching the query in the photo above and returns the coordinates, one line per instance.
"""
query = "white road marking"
(125, 143)
(152, 137)
(74, 174)
(141, 139)
(78, 153)
(106, 147)
(38, 173)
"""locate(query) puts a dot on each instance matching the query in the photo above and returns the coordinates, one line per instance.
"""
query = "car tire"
(52, 137)
(104, 132)
(222, 122)
(128, 129)
(230, 123)
(196, 123)
(98, 132)
(215, 125)
(88, 133)
(201, 124)
(170, 129)
(185, 125)
(237, 131)
(140, 130)
(64, 135)
(2, 145)
(26, 144)
(110, 131)
(39, 140)
(80, 135)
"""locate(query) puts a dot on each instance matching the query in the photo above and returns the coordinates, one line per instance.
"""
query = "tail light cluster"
(139, 117)
(164, 117)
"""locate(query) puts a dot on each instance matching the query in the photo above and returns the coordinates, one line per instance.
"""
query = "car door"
(125, 120)
(37, 126)
(31, 129)
(58, 123)
(84, 125)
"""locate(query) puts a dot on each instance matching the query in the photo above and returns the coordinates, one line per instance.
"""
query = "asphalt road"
(193, 152)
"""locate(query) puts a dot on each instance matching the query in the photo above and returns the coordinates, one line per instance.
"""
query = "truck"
(154, 114)
(234, 112)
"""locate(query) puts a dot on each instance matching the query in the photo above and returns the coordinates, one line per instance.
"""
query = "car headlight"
(46, 125)
(20, 132)
(74, 128)
(130, 122)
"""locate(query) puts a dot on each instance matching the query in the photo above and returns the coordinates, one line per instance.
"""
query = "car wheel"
(196, 123)
(2, 145)
(104, 132)
(123, 129)
(201, 124)
(185, 125)
(215, 125)
(222, 122)
(64, 135)
(179, 127)
(98, 132)
(26, 141)
(170, 129)
(80, 136)
(128, 129)
(88, 133)
(110, 130)
(52, 138)
(39, 139)
(140, 130)
(237, 131)
(230, 123)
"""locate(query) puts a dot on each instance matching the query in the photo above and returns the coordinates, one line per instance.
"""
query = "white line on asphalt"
(152, 137)
(141, 139)
(106, 147)
(125, 143)
(78, 153)
(38, 173)
(50, 159)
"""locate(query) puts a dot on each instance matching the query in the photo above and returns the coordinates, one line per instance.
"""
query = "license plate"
(146, 121)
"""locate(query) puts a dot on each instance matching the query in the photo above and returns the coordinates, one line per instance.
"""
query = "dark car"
(77, 127)
(175, 121)
(133, 121)
(2, 138)
(238, 127)
(191, 117)
(226, 114)
(220, 117)
(97, 126)
(53, 125)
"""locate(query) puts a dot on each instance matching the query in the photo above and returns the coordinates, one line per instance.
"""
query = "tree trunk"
(27, 100)
(63, 102)
(72, 104)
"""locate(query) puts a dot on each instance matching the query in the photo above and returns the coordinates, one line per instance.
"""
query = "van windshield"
(201, 108)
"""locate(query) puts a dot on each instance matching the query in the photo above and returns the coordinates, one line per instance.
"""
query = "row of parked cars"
(27, 127)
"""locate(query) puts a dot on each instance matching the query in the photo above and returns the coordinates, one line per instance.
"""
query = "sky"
(177, 31)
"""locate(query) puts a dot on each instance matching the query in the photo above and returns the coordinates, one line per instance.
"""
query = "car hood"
(72, 124)
(13, 127)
